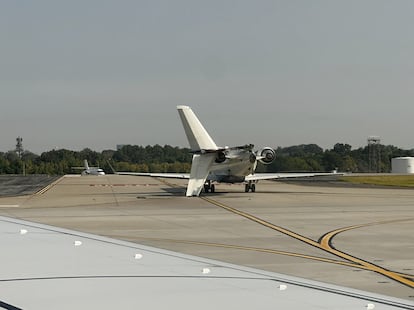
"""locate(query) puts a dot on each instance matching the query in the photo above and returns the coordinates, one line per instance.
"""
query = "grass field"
(383, 180)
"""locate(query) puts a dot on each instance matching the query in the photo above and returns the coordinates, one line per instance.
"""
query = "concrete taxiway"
(356, 237)
(23, 185)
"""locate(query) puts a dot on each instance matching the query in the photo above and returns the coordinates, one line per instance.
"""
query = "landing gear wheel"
(250, 187)
(208, 187)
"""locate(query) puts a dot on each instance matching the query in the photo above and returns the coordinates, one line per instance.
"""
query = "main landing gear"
(208, 187)
(250, 187)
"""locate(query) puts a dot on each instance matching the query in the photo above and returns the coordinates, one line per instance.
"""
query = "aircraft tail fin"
(86, 165)
(197, 135)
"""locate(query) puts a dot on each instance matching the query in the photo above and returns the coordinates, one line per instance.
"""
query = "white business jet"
(90, 170)
(220, 164)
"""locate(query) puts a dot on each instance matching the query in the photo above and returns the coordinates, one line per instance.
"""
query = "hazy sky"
(76, 74)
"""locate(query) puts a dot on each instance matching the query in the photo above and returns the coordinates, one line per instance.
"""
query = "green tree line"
(311, 157)
(306, 157)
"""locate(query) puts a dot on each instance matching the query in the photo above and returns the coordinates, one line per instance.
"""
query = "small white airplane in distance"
(220, 164)
(90, 170)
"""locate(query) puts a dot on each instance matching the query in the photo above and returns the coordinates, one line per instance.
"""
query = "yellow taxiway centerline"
(264, 250)
(326, 247)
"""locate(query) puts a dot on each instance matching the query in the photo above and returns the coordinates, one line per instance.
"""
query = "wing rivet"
(138, 256)
(282, 287)
(206, 270)
(370, 306)
(77, 243)
(23, 231)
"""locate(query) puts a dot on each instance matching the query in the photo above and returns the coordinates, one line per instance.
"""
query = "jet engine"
(267, 155)
(221, 157)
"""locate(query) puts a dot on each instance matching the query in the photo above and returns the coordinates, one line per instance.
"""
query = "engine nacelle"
(221, 157)
(267, 155)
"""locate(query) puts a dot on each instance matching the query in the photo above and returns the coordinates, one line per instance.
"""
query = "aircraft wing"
(270, 176)
(250, 177)
(45, 267)
(200, 168)
(158, 175)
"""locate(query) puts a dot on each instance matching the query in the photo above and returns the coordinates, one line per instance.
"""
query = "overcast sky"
(80, 73)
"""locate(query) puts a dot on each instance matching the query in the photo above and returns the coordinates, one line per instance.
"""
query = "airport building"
(402, 165)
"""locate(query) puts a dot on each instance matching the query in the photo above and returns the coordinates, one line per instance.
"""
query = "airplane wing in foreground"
(44, 267)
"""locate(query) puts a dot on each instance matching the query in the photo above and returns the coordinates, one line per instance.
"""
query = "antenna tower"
(19, 146)
(374, 154)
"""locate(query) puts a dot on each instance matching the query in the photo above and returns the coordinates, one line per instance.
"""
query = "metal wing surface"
(250, 177)
(44, 267)
(272, 176)
(200, 169)
(158, 175)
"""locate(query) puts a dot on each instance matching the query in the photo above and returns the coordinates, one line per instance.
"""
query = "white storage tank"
(402, 165)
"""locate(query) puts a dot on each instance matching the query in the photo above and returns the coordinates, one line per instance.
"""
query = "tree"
(299, 158)
(342, 149)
